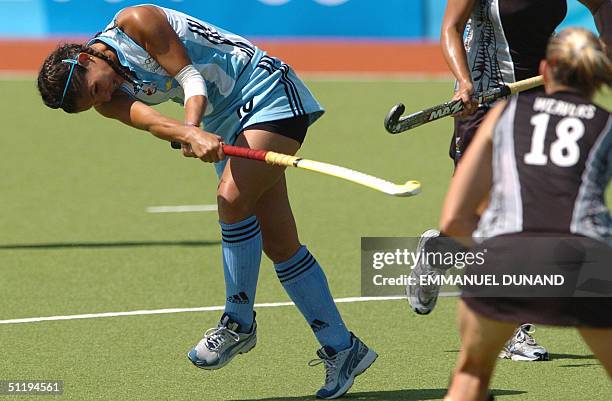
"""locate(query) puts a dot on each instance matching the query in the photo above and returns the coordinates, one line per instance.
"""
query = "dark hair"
(54, 74)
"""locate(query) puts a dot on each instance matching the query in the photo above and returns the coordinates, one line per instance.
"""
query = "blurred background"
(313, 35)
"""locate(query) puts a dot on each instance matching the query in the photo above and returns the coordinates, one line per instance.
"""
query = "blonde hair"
(578, 59)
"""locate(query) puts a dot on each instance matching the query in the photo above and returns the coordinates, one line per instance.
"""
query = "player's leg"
(241, 185)
(599, 342)
(481, 341)
(305, 282)
(299, 272)
(423, 297)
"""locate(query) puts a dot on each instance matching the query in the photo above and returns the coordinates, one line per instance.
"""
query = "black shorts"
(563, 312)
(293, 127)
(465, 129)
(583, 300)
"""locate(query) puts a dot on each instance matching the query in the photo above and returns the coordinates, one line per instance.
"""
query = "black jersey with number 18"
(552, 162)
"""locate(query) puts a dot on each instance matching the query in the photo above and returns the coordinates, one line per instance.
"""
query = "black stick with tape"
(395, 123)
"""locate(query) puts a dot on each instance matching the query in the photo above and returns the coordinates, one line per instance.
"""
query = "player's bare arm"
(148, 26)
(138, 115)
(451, 38)
(471, 182)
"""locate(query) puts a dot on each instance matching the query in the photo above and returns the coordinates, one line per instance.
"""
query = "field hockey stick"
(395, 123)
(410, 188)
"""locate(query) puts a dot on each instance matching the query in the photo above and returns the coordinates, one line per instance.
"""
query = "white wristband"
(191, 81)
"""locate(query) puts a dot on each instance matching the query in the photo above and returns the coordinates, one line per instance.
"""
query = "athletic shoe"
(422, 298)
(220, 344)
(342, 367)
(523, 347)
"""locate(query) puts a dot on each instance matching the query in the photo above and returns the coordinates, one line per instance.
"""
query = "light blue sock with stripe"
(241, 246)
(305, 282)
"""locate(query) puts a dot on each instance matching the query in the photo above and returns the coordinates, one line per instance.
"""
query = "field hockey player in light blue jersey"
(148, 55)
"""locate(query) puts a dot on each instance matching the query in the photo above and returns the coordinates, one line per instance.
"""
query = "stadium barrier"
(393, 58)
(331, 36)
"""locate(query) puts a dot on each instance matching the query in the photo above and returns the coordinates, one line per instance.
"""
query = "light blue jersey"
(244, 85)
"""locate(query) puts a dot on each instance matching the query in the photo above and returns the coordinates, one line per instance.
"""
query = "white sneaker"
(221, 344)
(523, 347)
(423, 298)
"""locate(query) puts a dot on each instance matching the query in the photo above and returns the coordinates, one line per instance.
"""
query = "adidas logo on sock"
(318, 325)
(240, 298)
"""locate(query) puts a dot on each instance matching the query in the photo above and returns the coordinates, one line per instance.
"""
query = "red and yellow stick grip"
(273, 158)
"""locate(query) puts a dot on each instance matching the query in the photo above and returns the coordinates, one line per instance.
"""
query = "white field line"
(182, 209)
(201, 309)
